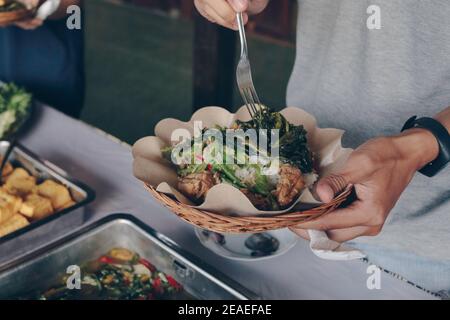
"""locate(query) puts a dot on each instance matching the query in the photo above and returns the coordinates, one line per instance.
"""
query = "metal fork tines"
(244, 73)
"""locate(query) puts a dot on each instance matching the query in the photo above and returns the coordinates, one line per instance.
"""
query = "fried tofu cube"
(6, 210)
(14, 200)
(20, 183)
(19, 173)
(14, 223)
(58, 194)
(36, 207)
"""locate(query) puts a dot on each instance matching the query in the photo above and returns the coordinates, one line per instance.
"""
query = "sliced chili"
(147, 264)
(106, 259)
(173, 283)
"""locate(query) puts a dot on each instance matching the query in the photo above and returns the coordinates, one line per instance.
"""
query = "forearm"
(61, 12)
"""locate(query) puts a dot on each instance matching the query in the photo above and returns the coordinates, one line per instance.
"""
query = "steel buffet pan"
(43, 268)
(37, 233)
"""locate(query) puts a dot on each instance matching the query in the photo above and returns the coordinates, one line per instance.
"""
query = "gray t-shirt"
(369, 82)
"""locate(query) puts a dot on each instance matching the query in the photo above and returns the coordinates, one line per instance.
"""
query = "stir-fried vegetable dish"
(119, 275)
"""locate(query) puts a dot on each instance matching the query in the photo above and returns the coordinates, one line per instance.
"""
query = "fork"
(244, 73)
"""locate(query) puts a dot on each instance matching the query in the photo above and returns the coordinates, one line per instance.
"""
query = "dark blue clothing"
(48, 61)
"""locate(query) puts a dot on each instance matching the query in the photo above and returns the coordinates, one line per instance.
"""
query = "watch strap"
(442, 137)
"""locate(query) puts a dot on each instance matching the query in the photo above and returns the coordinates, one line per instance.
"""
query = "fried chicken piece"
(196, 185)
(259, 201)
(289, 186)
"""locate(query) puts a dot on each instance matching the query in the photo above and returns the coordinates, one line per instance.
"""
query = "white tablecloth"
(104, 163)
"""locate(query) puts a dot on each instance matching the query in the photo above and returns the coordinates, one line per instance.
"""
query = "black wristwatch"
(443, 138)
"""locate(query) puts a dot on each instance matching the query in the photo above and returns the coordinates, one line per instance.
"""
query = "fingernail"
(325, 192)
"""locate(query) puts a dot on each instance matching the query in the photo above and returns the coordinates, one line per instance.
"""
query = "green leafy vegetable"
(292, 143)
(262, 185)
(14, 98)
(111, 278)
(15, 105)
(228, 174)
(294, 149)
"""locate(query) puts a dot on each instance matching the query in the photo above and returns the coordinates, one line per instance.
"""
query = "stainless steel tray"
(42, 269)
(36, 234)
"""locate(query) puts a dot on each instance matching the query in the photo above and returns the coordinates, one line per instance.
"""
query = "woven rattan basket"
(233, 224)
(8, 17)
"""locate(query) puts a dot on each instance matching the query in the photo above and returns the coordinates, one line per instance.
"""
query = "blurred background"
(140, 65)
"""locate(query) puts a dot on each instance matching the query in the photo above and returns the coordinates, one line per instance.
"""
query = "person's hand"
(29, 23)
(380, 170)
(223, 12)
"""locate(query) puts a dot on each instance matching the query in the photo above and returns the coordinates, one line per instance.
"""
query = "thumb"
(239, 5)
(327, 188)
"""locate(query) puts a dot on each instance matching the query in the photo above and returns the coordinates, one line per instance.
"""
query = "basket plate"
(233, 224)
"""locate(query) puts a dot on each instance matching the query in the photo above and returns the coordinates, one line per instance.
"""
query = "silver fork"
(244, 73)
